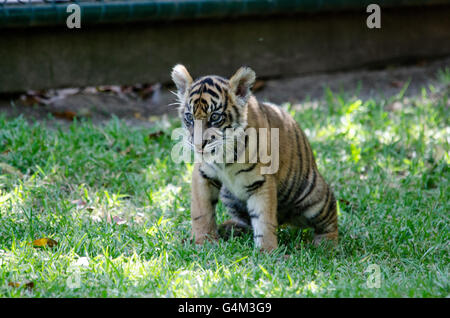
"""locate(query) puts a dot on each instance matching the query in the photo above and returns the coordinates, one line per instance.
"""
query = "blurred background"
(119, 61)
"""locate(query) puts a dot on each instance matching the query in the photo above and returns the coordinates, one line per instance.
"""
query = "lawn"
(118, 208)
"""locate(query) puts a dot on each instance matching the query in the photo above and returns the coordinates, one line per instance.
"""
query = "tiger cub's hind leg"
(326, 226)
(324, 221)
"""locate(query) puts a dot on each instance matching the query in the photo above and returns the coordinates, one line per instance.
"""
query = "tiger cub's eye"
(215, 117)
(188, 117)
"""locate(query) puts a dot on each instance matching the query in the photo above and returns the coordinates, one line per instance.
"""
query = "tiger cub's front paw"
(202, 238)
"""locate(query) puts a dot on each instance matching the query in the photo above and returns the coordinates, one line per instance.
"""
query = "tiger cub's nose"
(199, 147)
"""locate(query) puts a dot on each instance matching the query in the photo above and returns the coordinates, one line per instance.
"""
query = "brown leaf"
(14, 284)
(155, 134)
(345, 202)
(28, 285)
(66, 114)
(29, 100)
(397, 84)
(126, 89)
(146, 91)
(43, 242)
(110, 88)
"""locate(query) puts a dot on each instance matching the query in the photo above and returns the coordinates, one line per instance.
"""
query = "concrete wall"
(39, 58)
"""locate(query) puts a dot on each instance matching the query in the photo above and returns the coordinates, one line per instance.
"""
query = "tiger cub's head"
(212, 103)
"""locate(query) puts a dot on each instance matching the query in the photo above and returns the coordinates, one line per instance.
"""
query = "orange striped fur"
(296, 194)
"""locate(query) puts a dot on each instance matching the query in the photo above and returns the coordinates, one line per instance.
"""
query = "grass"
(118, 207)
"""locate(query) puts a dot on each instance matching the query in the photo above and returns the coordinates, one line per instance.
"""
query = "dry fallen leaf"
(67, 114)
(43, 242)
(397, 84)
(27, 285)
(155, 134)
(110, 88)
(146, 91)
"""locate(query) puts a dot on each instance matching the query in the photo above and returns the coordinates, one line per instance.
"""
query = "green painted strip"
(29, 15)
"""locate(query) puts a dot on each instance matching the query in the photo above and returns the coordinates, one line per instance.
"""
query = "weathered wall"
(39, 58)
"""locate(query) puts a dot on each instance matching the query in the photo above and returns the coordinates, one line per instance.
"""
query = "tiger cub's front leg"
(262, 209)
(205, 193)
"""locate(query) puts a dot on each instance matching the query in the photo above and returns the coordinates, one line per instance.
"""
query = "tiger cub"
(294, 194)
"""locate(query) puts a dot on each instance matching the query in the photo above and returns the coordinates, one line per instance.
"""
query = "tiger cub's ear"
(241, 83)
(181, 78)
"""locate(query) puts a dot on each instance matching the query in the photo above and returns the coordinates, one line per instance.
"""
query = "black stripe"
(227, 195)
(305, 161)
(195, 85)
(214, 105)
(321, 225)
(205, 90)
(325, 205)
(220, 79)
(207, 80)
(214, 182)
(248, 169)
(212, 93)
(252, 214)
(311, 187)
(303, 185)
(230, 116)
(237, 209)
(225, 104)
(194, 92)
(293, 186)
(255, 185)
(329, 214)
